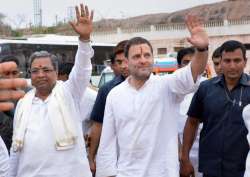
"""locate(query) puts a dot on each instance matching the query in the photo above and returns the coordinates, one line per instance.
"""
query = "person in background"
(118, 64)
(6, 117)
(216, 57)
(184, 56)
(8, 93)
(14, 72)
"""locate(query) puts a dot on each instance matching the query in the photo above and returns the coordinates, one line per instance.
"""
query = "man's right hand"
(186, 168)
(9, 87)
(84, 22)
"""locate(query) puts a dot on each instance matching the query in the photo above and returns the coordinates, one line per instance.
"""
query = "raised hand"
(199, 37)
(8, 87)
(84, 22)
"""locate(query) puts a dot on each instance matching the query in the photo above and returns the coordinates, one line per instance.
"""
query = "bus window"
(64, 47)
(5, 49)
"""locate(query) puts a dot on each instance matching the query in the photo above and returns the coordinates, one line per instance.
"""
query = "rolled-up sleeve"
(106, 160)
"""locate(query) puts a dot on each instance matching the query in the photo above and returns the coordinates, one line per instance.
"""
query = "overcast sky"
(20, 12)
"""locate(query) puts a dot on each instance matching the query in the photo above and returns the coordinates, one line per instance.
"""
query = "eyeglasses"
(45, 70)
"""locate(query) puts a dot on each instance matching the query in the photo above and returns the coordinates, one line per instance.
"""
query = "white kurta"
(182, 117)
(39, 157)
(246, 117)
(139, 135)
(4, 159)
(86, 105)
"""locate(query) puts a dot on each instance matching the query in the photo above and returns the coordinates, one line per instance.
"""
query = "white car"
(106, 76)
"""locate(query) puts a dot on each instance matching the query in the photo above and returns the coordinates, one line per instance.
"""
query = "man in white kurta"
(139, 135)
(41, 153)
(39, 156)
(140, 122)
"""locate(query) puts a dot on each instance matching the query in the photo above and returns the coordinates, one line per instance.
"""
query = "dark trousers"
(228, 174)
(204, 175)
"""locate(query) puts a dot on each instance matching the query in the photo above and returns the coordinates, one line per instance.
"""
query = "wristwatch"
(202, 49)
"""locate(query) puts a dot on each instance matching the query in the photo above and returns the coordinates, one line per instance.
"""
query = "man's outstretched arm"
(80, 75)
(199, 39)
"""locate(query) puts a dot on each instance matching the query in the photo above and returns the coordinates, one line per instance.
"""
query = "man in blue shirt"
(120, 66)
(218, 104)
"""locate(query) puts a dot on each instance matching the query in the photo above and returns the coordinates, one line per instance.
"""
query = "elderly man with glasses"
(47, 138)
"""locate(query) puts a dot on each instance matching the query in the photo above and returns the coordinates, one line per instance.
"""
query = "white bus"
(64, 47)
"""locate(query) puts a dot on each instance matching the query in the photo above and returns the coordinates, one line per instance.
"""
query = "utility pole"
(56, 18)
(37, 13)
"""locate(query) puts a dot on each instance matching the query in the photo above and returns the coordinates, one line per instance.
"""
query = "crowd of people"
(138, 124)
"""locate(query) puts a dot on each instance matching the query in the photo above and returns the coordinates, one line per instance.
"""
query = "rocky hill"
(233, 9)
